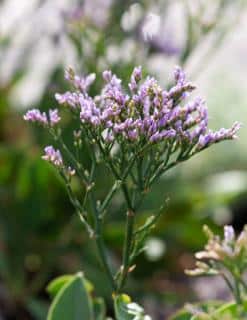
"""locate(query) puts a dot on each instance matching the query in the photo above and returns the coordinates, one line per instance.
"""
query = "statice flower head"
(53, 156)
(80, 83)
(54, 117)
(226, 250)
(143, 116)
(213, 137)
(135, 78)
(68, 98)
(179, 75)
(35, 115)
(225, 257)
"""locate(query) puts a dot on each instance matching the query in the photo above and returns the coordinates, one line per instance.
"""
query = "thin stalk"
(244, 285)
(127, 248)
(109, 196)
(153, 219)
(228, 282)
(77, 165)
(129, 231)
(140, 173)
(98, 229)
(238, 293)
(100, 242)
(78, 207)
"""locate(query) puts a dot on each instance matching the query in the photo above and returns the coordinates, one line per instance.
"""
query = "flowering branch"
(225, 257)
(137, 135)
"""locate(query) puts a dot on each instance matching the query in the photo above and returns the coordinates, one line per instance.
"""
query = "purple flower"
(35, 115)
(107, 75)
(53, 156)
(149, 113)
(135, 78)
(229, 234)
(179, 76)
(217, 136)
(80, 83)
(69, 98)
(54, 117)
(83, 84)
(182, 88)
(133, 134)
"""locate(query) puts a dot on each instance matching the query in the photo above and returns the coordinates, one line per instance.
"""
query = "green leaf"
(182, 315)
(72, 302)
(231, 310)
(187, 314)
(57, 284)
(99, 309)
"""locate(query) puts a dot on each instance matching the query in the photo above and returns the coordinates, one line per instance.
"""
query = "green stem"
(97, 232)
(109, 196)
(129, 232)
(79, 168)
(78, 207)
(140, 173)
(238, 293)
(228, 282)
(244, 285)
(127, 249)
(151, 222)
(100, 242)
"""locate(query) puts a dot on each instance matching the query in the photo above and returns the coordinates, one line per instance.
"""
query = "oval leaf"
(57, 284)
(72, 302)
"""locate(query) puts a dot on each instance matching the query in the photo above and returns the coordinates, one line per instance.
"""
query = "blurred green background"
(40, 237)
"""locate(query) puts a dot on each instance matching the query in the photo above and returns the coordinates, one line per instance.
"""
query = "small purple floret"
(35, 115)
(54, 117)
(53, 156)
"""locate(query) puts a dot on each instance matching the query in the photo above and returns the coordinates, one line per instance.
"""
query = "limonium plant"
(225, 257)
(138, 133)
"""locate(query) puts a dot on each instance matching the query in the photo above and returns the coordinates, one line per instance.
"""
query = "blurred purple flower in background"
(151, 26)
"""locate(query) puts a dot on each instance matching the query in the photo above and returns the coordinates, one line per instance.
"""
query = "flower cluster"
(148, 113)
(229, 247)
(143, 116)
(227, 256)
(36, 115)
(53, 156)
